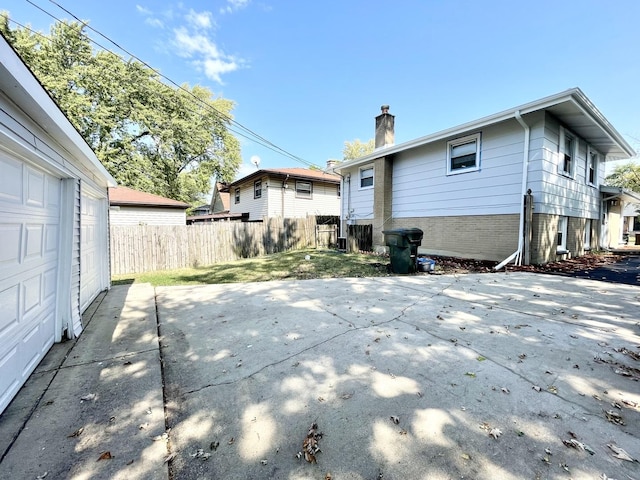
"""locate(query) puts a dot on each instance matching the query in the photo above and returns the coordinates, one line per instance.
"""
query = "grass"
(279, 266)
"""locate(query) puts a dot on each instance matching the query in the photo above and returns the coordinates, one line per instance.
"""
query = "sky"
(309, 75)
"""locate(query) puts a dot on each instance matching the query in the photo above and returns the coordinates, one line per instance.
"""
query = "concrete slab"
(249, 367)
(56, 434)
(533, 359)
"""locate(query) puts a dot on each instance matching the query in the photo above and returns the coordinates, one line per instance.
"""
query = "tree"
(357, 149)
(626, 176)
(148, 135)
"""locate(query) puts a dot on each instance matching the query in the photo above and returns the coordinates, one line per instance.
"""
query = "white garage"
(53, 225)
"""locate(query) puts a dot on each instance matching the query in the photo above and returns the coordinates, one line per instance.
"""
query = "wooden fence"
(147, 248)
(360, 238)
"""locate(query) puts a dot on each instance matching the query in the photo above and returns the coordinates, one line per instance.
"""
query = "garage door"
(29, 231)
(91, 252)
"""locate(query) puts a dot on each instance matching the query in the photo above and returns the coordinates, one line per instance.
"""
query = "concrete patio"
(418, 377)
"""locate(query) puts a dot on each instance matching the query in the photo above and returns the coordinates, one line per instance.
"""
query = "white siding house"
(522, 185)
(53, 224)
(285, 193)
(133, 207)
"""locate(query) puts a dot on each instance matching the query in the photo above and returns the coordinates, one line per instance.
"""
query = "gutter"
(517, 255)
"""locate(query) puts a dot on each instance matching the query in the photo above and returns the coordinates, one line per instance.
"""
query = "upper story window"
(366, 177)
(237, 195)
(463, 154)
(339, 189)
(257, 189)
(561, 242)
(592, 167)
(567, 150)
(303, 189)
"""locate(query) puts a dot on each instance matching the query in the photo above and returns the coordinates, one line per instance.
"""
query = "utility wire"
(244, 132)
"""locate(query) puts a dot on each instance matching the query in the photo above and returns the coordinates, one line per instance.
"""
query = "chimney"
(330, 164)
(384, 128)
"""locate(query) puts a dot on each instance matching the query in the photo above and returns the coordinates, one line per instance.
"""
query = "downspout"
(517, 255)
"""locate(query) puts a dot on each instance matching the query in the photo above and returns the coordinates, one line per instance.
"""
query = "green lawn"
(280, 266)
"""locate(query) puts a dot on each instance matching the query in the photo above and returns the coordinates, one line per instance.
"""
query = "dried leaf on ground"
(328, 476)
(394, 419)
(231, 440)
(620, 453)
(466, 456)
(263, 461)
(200, 453)
(553, 389)
(105, 456)
(169, 457)
(214, 446)
(505, 390)
(470, 374)
(573, 443)
(310, 444)
(41, 477)
(77, 433)
(536, 388)
(91, 397)
(346, 396)
(614, 417)
(495, 433)
(480, 358)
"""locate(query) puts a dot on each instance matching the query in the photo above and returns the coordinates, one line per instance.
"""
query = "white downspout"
(517, 255)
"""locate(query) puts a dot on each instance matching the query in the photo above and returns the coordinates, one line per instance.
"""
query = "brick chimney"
(384, 128)
(331, 163)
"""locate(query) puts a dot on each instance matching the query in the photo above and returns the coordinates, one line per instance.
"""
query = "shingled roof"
(125, 196)
(303, 173)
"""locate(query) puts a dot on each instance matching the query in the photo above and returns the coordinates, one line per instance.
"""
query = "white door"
(92, 248)
(29, 232)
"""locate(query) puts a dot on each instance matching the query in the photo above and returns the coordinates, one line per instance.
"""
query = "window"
(366, 177)
(592, 167)
(257, 189)
(587, 234)
(237, 195)
(567, 149)
(339, 188)
(303, 189)
(561, 243)
(463, 154)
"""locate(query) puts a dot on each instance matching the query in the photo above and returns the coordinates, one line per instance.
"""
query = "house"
(218, 209)
(285, 193)
(53, 224)
(522, 185)
(133, 207)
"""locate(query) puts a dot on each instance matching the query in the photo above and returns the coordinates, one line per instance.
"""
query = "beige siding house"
(285, 193)
(522, 185)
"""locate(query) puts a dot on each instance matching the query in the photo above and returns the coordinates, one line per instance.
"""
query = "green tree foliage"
(626, 176)
(357, 149)
(148, 135)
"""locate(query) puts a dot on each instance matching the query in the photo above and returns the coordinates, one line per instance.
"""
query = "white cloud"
(234, 5)
(206, 55)
(201, 20)
(150, 18)
(244, 170)
(143, 10)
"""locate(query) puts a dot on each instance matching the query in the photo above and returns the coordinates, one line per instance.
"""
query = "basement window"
(463, 154)
(561, 241)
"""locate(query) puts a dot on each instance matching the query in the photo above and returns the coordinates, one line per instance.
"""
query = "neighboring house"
(53, 224)
(521, 185)
(286, 193)
(220, 200)
(218, 210)
(132, 207)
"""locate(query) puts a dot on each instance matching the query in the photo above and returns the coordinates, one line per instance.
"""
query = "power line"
(239, 129)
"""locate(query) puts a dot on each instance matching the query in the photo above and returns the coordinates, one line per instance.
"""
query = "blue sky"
(309, 75)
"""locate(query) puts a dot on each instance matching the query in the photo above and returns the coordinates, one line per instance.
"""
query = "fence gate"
(326, 236)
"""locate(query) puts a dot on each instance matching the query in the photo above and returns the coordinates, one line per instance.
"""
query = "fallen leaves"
(105, 456)
(613, 417)
(495, 433)
(200, 453)
(310, 447)
(91, 397)
(77, 433)
(394, 419)
(620, 453)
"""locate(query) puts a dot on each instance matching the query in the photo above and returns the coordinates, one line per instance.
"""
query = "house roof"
(31, 97)
(223, 193)
(623, 194)
(571, 107)
(295, 173)
(124, 196)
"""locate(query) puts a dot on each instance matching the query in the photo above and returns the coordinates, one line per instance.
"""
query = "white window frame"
(304, 193)
(257, 189)
(452, 144)
(361, 176)
(562, 153)
(587, 234)
(561, 235)
(237, 196)
(591, 164)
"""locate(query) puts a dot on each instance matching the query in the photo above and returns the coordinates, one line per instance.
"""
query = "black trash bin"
(403, 246)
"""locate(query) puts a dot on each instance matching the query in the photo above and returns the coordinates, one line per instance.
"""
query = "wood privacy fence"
(147, 248)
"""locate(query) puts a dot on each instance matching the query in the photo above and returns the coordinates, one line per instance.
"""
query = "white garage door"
(91, 251)
(29, 231)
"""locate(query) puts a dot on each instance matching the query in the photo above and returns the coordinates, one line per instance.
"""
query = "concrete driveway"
(419, 377)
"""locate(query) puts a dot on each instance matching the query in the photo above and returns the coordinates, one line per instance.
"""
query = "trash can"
(403, 246)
